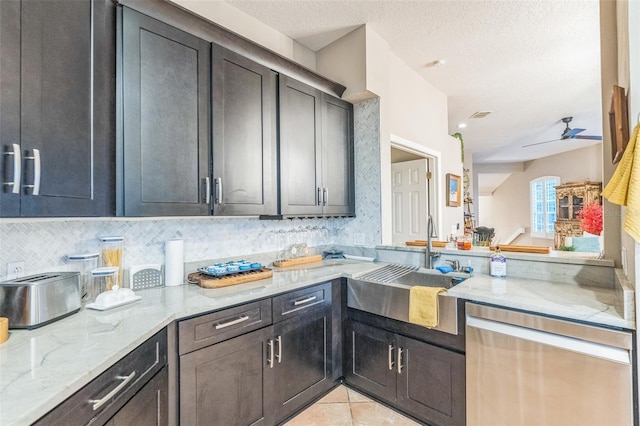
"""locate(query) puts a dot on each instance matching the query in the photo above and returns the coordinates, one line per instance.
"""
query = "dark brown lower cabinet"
(425, 381)
(148, 407)
(224, 384)
(302, 366)
(133, 391)
(259, 378)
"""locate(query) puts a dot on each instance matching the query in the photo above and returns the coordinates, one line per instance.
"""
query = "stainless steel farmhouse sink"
(385, 292)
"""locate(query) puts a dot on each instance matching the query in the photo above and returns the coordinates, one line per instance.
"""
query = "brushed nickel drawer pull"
(270, 356)
(218, 185)
(36, 172)
(97, 403)
(400, 361)
(17, 169)
(303, 301)
(232, 322)
(391, 357)
(279, 354)
(207, 190)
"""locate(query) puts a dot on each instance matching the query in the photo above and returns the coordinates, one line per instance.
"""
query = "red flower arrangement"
(591, 218)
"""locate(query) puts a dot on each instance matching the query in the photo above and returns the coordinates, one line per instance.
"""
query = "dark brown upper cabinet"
(244, 135)
(164, 154)
(316, 167)
(57, 61)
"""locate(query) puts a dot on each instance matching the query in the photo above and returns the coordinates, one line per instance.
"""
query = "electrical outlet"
(15, 270)
(358, 239)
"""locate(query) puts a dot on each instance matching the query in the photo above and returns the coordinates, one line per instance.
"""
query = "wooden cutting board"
(207, 281)
(423, 243)
(523, 249)
(297, 261)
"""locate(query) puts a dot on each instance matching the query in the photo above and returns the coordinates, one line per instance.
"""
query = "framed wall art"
(454, 190)
(618, 123)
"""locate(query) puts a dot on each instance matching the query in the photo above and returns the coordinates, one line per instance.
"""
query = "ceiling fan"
(568, 133)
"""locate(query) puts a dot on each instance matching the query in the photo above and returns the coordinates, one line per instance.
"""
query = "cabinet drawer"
(205, 330)
(300, 301)
(108, 392)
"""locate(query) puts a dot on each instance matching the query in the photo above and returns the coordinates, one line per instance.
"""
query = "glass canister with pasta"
(112, 250)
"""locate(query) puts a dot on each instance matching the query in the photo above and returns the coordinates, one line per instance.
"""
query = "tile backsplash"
(43, 243)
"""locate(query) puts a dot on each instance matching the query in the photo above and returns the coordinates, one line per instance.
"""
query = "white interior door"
(409, 201)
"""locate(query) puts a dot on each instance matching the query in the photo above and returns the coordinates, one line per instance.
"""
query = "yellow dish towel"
(624, 186)
(423, 305)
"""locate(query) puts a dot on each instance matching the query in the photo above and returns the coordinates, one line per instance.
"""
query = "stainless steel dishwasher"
(527, 369)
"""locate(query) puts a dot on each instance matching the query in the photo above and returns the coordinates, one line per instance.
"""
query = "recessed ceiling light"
(435, 63)
(462, 125)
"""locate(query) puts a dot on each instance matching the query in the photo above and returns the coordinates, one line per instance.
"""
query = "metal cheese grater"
(146, 276)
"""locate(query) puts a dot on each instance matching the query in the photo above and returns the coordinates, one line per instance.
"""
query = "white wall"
(410, 107)
(233, 19)
(509, 208)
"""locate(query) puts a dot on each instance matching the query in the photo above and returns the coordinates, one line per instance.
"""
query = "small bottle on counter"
(498, 264)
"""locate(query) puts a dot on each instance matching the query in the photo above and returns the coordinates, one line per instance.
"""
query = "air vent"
(481, 114)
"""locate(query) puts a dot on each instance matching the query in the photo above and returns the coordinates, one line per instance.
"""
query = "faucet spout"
(429, 254)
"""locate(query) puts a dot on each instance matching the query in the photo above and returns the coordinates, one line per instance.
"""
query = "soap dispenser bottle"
(498, 264)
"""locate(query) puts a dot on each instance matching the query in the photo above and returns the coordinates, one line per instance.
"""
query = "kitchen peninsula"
(36, 363)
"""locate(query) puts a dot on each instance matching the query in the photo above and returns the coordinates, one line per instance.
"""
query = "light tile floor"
(346, 407)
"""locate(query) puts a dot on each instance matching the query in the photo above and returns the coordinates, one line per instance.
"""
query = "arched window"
(543, 206)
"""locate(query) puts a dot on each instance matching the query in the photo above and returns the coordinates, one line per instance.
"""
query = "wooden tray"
(297, 261)
(423, 243)
(207, 281)
(523, 249)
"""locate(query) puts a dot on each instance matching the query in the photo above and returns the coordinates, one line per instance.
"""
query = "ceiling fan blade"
(571, 133)
(540, 143)
(590, 137)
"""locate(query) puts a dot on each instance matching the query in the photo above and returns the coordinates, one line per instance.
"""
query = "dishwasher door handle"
(598, 350)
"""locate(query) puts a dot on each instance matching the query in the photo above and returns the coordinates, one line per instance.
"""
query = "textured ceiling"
(529, 62)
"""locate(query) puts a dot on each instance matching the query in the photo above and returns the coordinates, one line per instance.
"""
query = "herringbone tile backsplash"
(43, 243)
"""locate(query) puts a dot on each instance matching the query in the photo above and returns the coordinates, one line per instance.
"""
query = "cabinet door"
(224, 384)
(165, 113)
(10, 107)
(66, 85)
(303, 367)
(148, 407)
(370, 360)
(244, 135)
(431, 382)
(337, 157)
(300, 149)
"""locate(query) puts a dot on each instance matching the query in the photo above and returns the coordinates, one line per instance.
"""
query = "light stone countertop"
(40, 368)
(597, 305)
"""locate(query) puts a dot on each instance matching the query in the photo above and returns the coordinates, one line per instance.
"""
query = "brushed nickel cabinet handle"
(97, 403)
(270, 356)
(325, 196)
(232, 322)
(391, 357)
(17, 169)
(207, 190)
(306, 300)
(36, 172)
(399, 360)
(218, 184)
(319, 196)
(279, 354)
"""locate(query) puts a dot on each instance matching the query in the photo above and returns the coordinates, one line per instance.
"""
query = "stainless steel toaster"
(36, 300)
